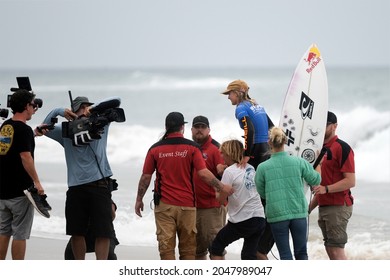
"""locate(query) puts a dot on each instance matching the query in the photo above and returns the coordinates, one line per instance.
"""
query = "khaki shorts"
(174, 220)
(333, 221)
(209, 222)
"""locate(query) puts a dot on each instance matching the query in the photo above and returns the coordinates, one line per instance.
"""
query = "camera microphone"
(105, 105)
(14, 89)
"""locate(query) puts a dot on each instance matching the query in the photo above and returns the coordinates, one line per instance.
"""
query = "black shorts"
(260, 153)
(250, 230)
(89, 206)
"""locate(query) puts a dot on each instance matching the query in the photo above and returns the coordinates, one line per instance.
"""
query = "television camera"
(23, 83)
(84, 130)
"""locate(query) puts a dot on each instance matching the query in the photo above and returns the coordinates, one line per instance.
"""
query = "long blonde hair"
(234, 149)
(277, 138)
(244, 96)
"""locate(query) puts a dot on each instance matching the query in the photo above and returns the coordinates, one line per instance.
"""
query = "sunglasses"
(35, 106)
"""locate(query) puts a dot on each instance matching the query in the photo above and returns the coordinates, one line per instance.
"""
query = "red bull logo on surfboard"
(313, 58)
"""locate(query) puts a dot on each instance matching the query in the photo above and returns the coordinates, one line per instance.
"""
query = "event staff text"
(175, 271)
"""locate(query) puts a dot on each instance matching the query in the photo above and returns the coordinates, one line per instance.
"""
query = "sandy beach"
(53, 249)
(45, 255)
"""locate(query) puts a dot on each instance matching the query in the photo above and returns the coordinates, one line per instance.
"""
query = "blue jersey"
(257, 116)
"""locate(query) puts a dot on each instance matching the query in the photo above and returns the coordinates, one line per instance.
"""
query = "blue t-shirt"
(258, 117)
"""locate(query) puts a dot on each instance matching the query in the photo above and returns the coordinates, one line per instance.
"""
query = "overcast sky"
(191, 33)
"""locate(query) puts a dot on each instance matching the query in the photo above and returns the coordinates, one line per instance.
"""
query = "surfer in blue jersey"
(255, 122)
(253, 119)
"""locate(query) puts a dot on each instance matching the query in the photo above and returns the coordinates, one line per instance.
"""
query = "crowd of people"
(206, 195)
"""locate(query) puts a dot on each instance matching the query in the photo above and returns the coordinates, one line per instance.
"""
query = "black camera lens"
(38, 102)
(3, 113)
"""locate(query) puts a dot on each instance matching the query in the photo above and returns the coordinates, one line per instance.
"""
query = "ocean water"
(359, 97)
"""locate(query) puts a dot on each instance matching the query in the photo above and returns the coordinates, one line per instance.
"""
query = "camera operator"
(88, 198)
(17, 174)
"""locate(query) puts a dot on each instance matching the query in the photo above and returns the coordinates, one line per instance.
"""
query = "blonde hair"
(244, 96)
(277, 137)
(234, 149)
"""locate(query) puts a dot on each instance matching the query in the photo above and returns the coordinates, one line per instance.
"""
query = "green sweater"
(279, 180)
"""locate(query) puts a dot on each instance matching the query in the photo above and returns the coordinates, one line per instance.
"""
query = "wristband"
(326, 188)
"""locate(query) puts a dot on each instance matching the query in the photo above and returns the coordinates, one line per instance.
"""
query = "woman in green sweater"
(279, 181)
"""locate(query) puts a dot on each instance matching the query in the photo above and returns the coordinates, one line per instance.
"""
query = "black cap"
(174, 119)
(331, 118)
(200, 120)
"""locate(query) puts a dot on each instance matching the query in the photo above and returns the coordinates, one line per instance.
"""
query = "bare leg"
(18, 249)
(261, 256)
(79, 247)
(213, 257)
(336, 253)
(4, 242)
(102, 246)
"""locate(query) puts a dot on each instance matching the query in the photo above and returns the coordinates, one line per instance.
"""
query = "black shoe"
(36, 200)
(44, 202)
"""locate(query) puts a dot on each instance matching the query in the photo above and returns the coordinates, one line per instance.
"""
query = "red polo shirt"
(205, 195)
(174, 159)
(338, 159)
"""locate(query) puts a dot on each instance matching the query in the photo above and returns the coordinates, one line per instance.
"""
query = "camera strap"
(98, 165)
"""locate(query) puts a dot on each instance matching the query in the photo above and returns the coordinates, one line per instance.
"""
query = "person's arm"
(260, 183)
(62, 112)
(29, 166)
(221, 168)
(249, 135)
(56, 133)
(143, 186)
(346, 183)
(212, 181)
(227, 179)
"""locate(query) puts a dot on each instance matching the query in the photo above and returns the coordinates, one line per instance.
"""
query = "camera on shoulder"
(84, 130)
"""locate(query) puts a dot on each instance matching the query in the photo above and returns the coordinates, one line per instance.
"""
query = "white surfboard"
(305, 107)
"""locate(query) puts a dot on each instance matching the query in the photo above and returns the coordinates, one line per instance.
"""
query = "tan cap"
(237, 85)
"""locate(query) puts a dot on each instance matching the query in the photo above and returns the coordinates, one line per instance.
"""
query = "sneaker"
(44, 201)
(36, 200)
